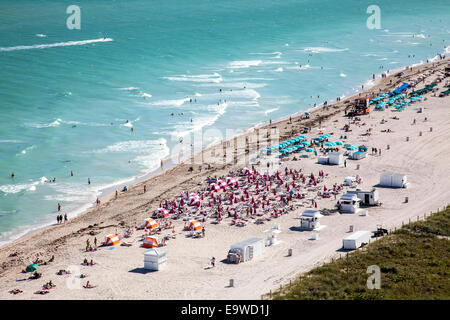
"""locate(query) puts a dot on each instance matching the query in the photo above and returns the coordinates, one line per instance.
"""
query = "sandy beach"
(119, 273)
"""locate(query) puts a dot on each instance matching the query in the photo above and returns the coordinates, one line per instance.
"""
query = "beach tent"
(150, 224)
(194, 225)
(112, 239)
(155, 259)
(194, 200)
(32, 267)
(162, 213)
(150, 242)
(351, 148)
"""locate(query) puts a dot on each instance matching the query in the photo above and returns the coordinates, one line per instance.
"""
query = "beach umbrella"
(339, 143)
(32, 267)
(305, 143)
(330, 144)
(309, 150)
(352, 148)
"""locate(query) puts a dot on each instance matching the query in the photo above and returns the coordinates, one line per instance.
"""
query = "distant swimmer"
(54, 179)
(59, 206)
(74, 126)
(171, 114)
(12, 175)
(132, 129)
(89, 181)
(191, 119)
(71, 173)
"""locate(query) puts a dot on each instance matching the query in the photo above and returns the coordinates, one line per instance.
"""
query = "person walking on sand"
(65, 217)
(213, 262)
(345, 163)
(117, 194)
(57, 219)
(145, 188)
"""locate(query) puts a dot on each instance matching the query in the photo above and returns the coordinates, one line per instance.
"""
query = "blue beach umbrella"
(339, 143)
(330, 144)
(352, 148)
(305, 143)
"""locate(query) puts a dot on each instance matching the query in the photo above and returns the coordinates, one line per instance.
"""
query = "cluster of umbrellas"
(334, 144)
(286, 147)
(398, 101)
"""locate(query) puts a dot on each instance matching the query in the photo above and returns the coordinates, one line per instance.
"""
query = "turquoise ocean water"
(65, 95)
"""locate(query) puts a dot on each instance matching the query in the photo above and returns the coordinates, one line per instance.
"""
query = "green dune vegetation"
(414, 262)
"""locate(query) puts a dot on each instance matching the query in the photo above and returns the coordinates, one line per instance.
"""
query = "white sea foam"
(280, 69)
(59, 44)
(244, 64)
(171, 103)
(133, 146)
(343, 75)
(266, 112)
(40, 35)
(323, 49)
(55, 123)
(215, 77)
(129, 88)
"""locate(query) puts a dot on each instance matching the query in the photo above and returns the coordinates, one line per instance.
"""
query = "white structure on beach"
(369, 198)
(356, 240)
(394, 180)
(155, 259)
(310, 219)
(272, 235)
(349, 203)
(335, 158)
(249, 248)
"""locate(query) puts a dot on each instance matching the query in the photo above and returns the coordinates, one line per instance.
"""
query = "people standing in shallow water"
(12, 175)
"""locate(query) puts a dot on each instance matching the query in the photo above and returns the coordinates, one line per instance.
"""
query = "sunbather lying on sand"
(42, 292)
(62, 272)
(15, 291)
(88, 286)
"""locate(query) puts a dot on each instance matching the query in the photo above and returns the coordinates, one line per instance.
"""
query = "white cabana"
(310, 219)
(356, 240)
(394, 180)
(249, 248)
(349, 203)
(155, 259)
(336, 158)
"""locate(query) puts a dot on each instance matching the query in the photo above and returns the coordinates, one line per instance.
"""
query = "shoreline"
(169, 162)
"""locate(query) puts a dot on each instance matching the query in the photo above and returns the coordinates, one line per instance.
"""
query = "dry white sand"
(119, 272)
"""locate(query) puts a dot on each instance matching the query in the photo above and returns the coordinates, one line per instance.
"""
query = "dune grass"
(414, 263)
